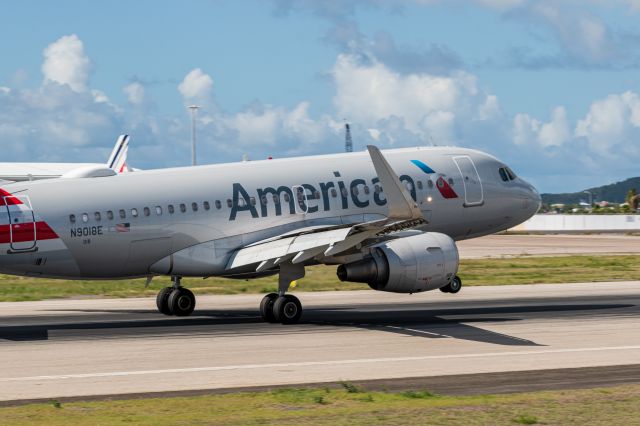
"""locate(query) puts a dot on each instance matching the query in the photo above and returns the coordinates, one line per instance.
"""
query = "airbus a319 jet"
(389, 219)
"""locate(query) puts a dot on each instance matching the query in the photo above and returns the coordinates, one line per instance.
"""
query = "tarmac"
(483, 339)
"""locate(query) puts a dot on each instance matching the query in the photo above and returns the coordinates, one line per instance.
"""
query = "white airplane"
(18, 172)
(386, 219)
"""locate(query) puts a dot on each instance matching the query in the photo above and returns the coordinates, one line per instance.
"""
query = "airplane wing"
(318, 242)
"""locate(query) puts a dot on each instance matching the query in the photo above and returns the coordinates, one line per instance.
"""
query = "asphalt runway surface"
(483, 339)
(509, 245)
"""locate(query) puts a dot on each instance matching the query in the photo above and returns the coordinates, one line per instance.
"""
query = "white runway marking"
(313, 363)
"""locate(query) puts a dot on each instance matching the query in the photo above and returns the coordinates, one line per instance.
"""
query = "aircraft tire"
(455, 285)
(181, 302)
(162, 300)
(266, 307)
(287, 309)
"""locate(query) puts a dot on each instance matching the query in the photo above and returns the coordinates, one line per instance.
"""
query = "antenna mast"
(348, 142)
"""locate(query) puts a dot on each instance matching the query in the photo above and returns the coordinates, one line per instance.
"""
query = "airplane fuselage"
(122, 226)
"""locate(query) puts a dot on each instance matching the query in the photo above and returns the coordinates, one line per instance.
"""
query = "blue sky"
(550, 87)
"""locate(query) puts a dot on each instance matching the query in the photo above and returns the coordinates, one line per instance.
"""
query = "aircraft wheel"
(287, 309)
(162, 300)
(453, 287)
(181, 302)
(266, 307)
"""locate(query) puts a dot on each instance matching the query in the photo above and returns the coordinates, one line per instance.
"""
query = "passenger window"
(450, 180)
(355, 190)
(72, 218)
(377, 189)
(419, 183)
(183, 208)
(229, 203)
(170, 209)
(123, 214)
(158, 210)
(344, 192)
(194, 207)
(366, 189)
(147, 212)
(109, 215)
(286, 197)
(409, 186)
(503, 175)
(316, 195)
(97, 216)
(206, 205)
(334, 193)
(134, 212)
(252, 200)
(430, 184)
(218, 204)
(85, 217)
(263, 200)
(240, 202)
(276, 199)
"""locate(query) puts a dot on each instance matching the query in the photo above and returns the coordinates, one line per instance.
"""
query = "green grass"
(331, 406)
(523, 270)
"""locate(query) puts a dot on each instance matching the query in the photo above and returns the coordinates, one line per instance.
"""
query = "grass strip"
(522, 270)
(330, 406)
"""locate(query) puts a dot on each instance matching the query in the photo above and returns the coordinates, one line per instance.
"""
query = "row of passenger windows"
(158, 210)
(146, 211)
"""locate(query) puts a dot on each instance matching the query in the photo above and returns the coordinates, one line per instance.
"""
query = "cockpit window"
(506, 174)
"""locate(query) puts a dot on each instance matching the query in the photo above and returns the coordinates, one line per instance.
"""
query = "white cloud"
(135, 93)
(373, 96)
(66, 63)
(610, 122)
(528, 130)
(197, 86)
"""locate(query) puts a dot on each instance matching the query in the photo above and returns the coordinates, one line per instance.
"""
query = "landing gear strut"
(453, 287)
(281, 307)
(176, 300)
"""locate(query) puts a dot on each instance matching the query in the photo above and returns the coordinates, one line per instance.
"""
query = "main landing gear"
(453, 287)
(176, 300)
(281, 307)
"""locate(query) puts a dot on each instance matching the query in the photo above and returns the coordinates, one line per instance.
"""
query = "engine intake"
(406, 265)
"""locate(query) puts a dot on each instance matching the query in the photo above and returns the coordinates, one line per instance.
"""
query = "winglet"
(399, 203)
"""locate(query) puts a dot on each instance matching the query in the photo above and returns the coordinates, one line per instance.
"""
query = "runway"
(510, 245)
(68, 348)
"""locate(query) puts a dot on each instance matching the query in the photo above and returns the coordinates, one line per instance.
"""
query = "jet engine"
(406, 265)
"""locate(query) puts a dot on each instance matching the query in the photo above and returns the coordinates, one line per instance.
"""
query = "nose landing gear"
(453, 287)
(176, 300)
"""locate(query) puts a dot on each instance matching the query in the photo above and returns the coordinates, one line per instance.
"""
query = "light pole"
(590, 198)
(194, 111)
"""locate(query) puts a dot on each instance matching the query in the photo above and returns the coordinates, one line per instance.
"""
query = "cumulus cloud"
(554, 133)
(135, 93)
(373, 95)
(197, 86)
(612, 124)
(66, 63)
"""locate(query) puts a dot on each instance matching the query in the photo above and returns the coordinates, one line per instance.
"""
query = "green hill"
(615, 192)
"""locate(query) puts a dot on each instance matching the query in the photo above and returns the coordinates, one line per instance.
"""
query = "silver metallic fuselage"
(237, 214)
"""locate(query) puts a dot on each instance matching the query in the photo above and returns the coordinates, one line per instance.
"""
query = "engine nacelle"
(406, 265)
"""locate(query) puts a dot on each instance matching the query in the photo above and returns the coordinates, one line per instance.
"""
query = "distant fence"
(580, 223)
